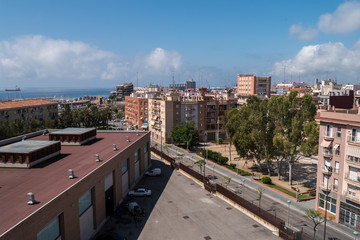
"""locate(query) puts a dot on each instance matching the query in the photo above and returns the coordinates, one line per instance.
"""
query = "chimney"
(71, 174)
(31, 198)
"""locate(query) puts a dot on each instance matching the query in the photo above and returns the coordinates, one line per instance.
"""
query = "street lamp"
(161, 140)
(204, 157)
(289, 202)
(329, 170)
(243, 181)
(355, 234)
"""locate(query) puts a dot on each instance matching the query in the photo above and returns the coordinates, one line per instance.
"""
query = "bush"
(233, 165)
(220, 141)
(266, 180)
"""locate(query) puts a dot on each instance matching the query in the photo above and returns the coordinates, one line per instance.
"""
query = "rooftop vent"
(127, 139)
(137, 134)
(97, 158)
(44, 133)
(71, 173)
(31, 197)
(23, 138)
(114, 147)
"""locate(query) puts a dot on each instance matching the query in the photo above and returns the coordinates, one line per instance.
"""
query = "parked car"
(140, 192)
(153, 172)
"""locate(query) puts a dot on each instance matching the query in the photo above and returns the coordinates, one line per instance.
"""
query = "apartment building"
(137, 112)
(122, 90)
(252, 85)
(206, 112)
(339, 148)
(38, 109)
(72, 189)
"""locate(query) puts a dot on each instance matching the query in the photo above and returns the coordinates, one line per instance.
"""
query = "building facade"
(122, 90)
(339, 148)
(252, 85)
(66, 207)
(38, 109)
(137, 112)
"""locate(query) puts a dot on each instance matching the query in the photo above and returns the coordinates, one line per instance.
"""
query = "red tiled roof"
(24, 103)
(49, 181)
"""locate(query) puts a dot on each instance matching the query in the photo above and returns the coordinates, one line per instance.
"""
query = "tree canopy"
(185, 134)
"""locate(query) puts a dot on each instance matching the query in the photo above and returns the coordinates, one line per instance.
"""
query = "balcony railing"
(325, 186)
(354, 161)
(355, 180)
(325, 170)
(353, 139)
(327, 153)
(351, 195)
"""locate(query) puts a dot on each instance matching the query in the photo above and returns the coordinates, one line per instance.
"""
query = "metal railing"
(353, 139)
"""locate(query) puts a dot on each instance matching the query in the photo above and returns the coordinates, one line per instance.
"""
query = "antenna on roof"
(173, 76)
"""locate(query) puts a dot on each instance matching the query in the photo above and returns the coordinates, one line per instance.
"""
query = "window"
(136, 155)
(335, 184)
(337, 150)
(328, 131)
(85, 201)
(124, 166)
(331, 203)
(338, 133)
(337, 166)
(51, 231)
(146, 147)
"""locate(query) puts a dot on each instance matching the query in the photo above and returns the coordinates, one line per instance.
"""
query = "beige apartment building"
(67, 204)
(339, 148)
(252, 85)
(38, 109)
(206, 112)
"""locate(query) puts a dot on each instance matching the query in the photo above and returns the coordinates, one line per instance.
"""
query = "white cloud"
(345, 19)
(314, 59)
(38, 57)
(297, 31)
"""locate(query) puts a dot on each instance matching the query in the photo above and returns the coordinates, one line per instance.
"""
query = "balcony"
(351, 195)
(328, 135)
(325, 170)
(327, 153)
(325, 186)
(353, 161)
(355, 140)
(352, 180)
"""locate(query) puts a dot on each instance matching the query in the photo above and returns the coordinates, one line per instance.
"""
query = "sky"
(99, 44)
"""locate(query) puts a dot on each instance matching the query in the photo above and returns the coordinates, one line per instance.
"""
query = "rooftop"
(47, 181)
(341, 116)
(25, 146)
(24, 103)
(73, 131)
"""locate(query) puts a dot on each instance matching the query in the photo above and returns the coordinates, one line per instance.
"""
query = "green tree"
(66, 117)
(251, 131)
(185, 134)
(316, 217)
(290, 116)
(49, 123)
(200, 163)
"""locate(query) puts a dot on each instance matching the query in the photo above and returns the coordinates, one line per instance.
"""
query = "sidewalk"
(274, 198)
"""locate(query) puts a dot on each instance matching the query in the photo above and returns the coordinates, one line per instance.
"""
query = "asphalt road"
(271, 201)
(181, 209)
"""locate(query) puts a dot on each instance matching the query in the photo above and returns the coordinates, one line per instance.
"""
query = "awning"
(336, 146)
(144, 125)
(325, 143)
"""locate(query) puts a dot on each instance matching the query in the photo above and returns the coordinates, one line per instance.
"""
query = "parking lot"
(180, 209)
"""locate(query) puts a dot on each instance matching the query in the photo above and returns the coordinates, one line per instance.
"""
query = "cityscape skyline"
(80, 44)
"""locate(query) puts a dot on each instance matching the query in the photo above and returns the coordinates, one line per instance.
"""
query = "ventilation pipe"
(71, 174)
(114, 147)
(31, 198)
(127, 139)
(97, 158)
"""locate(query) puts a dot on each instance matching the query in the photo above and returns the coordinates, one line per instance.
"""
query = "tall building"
(137, 112)
(339, 148)
(72, 189)
(122, 90)
(252, 85)
(38, 109)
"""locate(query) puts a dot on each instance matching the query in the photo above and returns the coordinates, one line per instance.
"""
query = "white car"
(140, 192)
(153, 172)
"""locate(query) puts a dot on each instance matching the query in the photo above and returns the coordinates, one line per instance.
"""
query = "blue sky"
(102, 43)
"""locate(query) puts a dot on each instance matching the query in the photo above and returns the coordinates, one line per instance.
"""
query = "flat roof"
(76, 131)
(26, 146)
(24, 103)
(47, 181)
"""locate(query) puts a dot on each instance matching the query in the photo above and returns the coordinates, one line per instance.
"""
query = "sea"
(57, 93)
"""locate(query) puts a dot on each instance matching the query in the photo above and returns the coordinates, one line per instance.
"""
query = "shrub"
(220, 141)
(233, 165)
(266, 180)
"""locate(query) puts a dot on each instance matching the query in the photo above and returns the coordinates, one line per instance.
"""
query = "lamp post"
(204, 159)
(329, 169)
(355, 234)
(243, 183)
(289, 202)
(161, 140)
